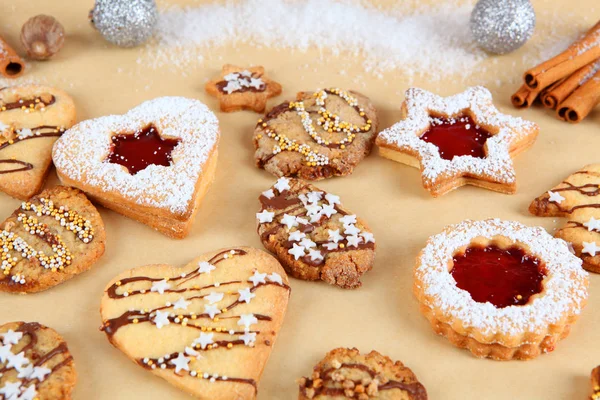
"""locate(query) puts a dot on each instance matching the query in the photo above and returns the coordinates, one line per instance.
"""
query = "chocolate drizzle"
(27, 103)
(23, 165)
(222, 84)
(590, 190)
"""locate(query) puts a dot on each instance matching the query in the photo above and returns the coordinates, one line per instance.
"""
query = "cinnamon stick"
(579, 104)
(556, 94)
(524, 97)
(11, 65)
(546, 97)
(579, 54)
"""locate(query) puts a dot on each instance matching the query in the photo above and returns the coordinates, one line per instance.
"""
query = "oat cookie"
(207, 328)
(322, 134)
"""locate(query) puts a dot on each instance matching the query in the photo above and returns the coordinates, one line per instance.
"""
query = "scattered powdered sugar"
(477, 101)
(565, 284)
(81, 152)
(593, 71)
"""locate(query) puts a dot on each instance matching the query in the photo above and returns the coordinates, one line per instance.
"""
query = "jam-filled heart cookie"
(243, 88)
(49, 239)
(153, 164)
(320, 135)
(313, 236)
(578, 199)
(347, 374)
(35, 363)
(207, 328)
(458, 140)
(500, 289)
(32, 117)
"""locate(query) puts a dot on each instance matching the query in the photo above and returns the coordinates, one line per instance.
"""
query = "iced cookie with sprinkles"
(239, 88)
(32, 117)
(153, 164)
(500, 289)
(347, 374)
(457, 140)
(207, 328)
(313, 235)
(577, 198)
(49, 239)
(322, 134)
(35, 363)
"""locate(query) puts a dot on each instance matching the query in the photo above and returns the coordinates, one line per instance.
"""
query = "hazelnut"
(42, 36)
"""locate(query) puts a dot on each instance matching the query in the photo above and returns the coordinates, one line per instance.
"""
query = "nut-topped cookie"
(313, 235)
(32, 117)
(49, 239)
(347, 374)
(35, 363)
(322, 134)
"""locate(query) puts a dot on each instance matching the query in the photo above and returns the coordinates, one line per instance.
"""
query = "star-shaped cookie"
(240, 88)
(578, 199)
(457, 140)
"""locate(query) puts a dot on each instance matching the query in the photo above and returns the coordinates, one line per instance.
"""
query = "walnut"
(317, 383)
(310, 393)
(359, 389)
(42, 36)
(373, 388)
(336, 364)
(337, 376)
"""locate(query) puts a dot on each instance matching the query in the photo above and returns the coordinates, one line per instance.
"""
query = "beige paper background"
(383, 314)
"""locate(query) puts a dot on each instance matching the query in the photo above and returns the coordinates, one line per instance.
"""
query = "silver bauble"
(126, 23)
(502, 26)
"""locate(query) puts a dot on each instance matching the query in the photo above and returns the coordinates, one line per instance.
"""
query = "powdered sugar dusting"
(81, 152)
(565, 284)
(477, 101)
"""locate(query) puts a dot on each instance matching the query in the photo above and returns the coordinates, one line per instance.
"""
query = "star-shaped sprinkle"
(330, 246)
(160, 286)
(11, 337)
(5, 353)
(161, 319)
(334, 235)
(257, 278)
(3, 127)
(276, 278)
(11, 390)
(17, 361)
(332, 199)
(248, 338)
(296, 236)
(40, 373)
(205, 267)
(180, 363)
(265, 216)
(314, 197)
(26, 371)
(351, 230)
(315, 255)
(211, 310)
(269, 194)
(348, 219)
(368, 237)
(353, 241)
(307, 243)
(555, 197)
(204, 340)
(181, 304)
(301, 221)
(282, 184)
(245, 295)
(191, 352)
(247, 320)
(505, 135)
(590, 248)
(328, 210)
(593, 224)
(29, 394)
(214, 297)
(289, 221)
(297, 251)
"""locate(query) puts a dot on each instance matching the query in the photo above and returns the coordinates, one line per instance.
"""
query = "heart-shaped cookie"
(32, 117)
(153, 164)
(208, 327)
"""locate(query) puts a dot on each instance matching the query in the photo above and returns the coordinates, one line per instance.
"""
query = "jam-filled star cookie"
(153, 164)
(207, 328)
(32, 117)
(458, 140)
(347, 374)
(243, 88)
(322, 134)
(49, 239)
(500, 289)
(578, 199)
(35, 363)
(313, 235)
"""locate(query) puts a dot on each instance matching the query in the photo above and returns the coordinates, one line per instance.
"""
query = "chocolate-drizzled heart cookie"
(35, 363)
(207, 328)
(32, 117)
(49, 239)
(313, 235)
(322, 134)
(154, 164)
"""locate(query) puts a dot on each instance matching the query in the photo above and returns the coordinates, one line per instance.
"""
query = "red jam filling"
(503, 277)
(139, 150)
(457, 137)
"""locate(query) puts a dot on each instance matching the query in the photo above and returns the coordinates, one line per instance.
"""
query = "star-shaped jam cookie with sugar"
(457, 140)
(578, 199)
(240, 88)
